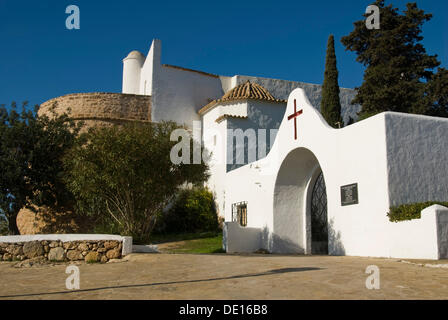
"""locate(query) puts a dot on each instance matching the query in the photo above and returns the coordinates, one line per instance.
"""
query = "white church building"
(304, 187)
(216, 103)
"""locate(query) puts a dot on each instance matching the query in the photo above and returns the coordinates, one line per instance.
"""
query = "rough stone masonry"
(87, 250)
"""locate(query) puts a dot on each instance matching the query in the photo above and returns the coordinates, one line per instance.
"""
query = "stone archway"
(292, 202)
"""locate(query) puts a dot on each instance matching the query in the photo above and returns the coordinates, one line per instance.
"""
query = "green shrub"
(192, 211)
(126, 173)
(410, 211)
(106, 226)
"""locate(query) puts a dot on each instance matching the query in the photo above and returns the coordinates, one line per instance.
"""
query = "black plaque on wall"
(349, 194)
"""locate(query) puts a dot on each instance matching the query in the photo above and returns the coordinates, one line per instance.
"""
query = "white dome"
(135, 55)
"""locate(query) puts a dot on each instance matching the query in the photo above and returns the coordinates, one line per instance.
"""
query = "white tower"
(132, 66)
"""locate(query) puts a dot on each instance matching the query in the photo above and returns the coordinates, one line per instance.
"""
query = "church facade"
(302, 186)
(322, 190)
(217, 104)
(284, 180)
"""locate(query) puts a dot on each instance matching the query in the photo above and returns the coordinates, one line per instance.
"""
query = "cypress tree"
(330, 105)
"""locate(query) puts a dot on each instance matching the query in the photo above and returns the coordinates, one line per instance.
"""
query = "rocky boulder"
(56, 254)
(74, 255)
(33, 249)
(46, 221)
(92, 256)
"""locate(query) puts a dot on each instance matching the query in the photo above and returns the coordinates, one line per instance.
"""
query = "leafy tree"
(399, 74)
(126, 172)
(31, 150)
(438, 94)
(330, 104)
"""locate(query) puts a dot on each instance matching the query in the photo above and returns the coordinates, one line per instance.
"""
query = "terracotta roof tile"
(247, 90)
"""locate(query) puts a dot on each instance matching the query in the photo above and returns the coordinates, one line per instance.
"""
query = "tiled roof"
(247, 90)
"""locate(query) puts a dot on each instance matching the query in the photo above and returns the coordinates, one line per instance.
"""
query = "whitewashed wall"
(177, 94)
(257, 115)
(212, 129)
(132, 65)
(424, 238)
(260, 115)
(241, 240)
(150, 68)
(417, 151)
(278, 201)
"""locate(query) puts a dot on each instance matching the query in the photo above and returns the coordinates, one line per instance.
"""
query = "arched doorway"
(318, 217)
(299, 175)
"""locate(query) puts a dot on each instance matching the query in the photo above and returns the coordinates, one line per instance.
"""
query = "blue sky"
(41, 59)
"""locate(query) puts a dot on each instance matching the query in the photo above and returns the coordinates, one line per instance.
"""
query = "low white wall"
(416, 158)
(126, 246)
(424, 238)
(239, 239)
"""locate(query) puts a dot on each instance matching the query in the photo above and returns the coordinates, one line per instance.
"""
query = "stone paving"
(221, 276)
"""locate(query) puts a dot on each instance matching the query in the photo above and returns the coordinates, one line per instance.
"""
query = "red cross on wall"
(294, 116)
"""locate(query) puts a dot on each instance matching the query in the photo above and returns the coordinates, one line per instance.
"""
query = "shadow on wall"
(282, 245)
(335, 246)
(224, 238)
(276, 244)
(265, 240)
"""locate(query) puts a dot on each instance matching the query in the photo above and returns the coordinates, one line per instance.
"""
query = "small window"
(239, 212)
(214, 140)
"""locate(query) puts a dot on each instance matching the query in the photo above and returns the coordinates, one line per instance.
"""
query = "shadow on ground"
(267, 273)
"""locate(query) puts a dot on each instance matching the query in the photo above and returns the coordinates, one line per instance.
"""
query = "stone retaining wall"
(96, 248)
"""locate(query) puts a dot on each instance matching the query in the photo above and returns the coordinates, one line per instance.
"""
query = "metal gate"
(319, 223)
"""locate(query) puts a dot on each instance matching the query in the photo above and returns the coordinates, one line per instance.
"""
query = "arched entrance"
(300, 174)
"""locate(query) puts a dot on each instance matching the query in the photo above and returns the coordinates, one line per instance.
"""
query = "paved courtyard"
(220, 276)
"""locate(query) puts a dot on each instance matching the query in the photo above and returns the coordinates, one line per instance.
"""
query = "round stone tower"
(101, 109)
